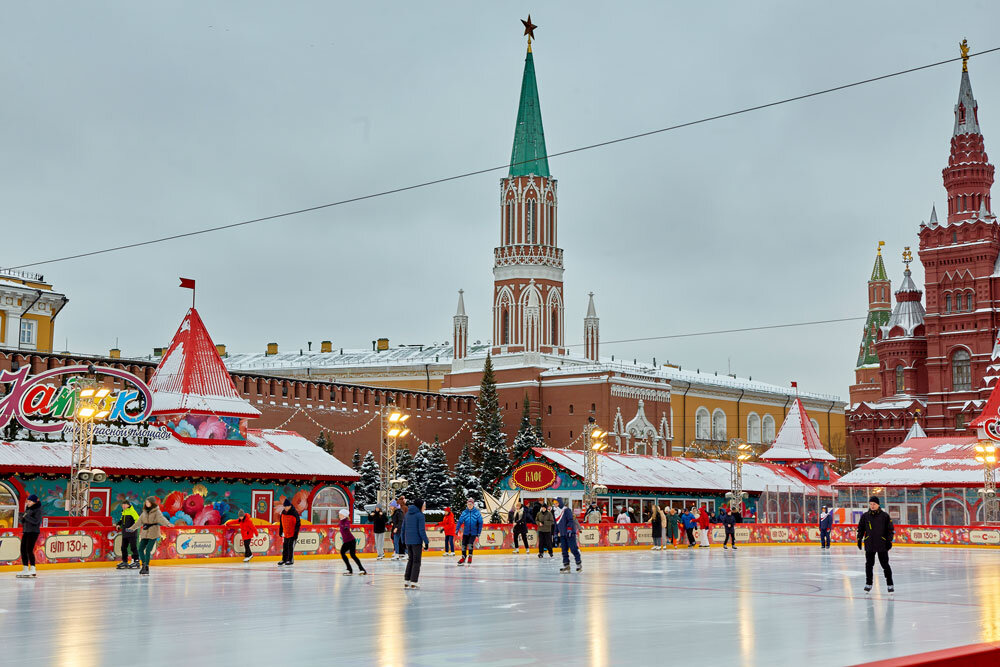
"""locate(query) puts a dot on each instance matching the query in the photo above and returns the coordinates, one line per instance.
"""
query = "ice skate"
(247, 559)
(135, 565)
(31, 572)
(121, 566)
(579, 568)
(868, 588)
(564, 569)
(348, 573)
(515, 551)
(363, 573)
(144, 570)
(24, 574)
(724, 546)
(891, 590)
(461, 561)
(414, 585)
(280, 563)
(378, 558)
(734, 547)
(406, 584)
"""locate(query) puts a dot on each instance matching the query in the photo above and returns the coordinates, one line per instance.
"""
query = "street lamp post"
(392, 426)
(739, 451)
(594, 443)
(986, 453)
(81, 473)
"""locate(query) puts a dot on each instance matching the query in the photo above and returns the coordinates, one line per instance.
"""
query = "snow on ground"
(759, 605)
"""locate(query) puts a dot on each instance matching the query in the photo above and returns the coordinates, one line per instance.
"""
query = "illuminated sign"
(36, 397)
(533, 476)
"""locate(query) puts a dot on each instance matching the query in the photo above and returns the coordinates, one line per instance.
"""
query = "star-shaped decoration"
(529, 27)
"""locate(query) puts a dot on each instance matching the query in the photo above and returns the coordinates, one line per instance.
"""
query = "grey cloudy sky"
(121, 121)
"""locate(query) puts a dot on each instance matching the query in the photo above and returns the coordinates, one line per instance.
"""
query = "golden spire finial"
(964, 48)
(880, 244)
(907, 257)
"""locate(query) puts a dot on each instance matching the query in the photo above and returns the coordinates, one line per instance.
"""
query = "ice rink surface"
(757, 606)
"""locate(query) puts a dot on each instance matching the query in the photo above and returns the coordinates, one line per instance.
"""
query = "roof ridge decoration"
(916, 431)
(797, 439)
(528, 156)
(191, 376)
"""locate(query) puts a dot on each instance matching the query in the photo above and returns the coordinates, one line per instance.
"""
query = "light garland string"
(445, 442)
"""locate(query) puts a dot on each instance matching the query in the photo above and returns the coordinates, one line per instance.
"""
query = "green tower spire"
(528, 156)
(878, 271)
(879, 311)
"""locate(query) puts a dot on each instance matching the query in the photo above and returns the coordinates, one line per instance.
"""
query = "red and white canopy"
(797, 440)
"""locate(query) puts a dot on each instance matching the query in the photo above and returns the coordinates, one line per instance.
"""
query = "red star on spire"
(529, 28)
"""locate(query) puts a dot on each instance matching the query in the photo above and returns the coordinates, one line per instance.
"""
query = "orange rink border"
(972, 655)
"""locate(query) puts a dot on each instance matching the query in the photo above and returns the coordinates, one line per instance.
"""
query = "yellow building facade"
(28, 310)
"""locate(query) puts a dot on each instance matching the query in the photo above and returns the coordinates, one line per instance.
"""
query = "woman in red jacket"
(248, 531)
(703, 525)
(448, 528)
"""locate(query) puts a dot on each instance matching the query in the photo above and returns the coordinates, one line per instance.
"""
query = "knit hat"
(393, 504)
(33, 498)
(874, 499)
(343, 514)
(287, 503)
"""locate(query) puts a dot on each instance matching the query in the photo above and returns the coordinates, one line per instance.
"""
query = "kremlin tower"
(866, 374)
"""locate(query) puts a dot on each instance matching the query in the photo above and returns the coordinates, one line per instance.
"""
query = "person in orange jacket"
(248, 531)
(448, 528)
(289, 525)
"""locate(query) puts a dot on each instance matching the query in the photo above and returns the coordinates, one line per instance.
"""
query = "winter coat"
(248, 530)
(31, 519)
(379, 521)
(729, 521)
(672, 525)
(521, 518)
(545, 521)
(290, 523)
(151, 520)
(594, 516)
(567, 525)
(472, 520)
(448, 524)
(876, 531)
(687, 519)
(345, 530)
(657, 524)
(624, 518)
(826, 523)
(397, 521)
(129, 521)
(414, 528)
(703, 521)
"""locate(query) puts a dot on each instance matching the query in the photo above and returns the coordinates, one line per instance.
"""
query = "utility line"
(477, 172)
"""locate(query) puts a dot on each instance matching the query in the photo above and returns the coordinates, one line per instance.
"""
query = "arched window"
(327, 505)
(504, 327)
(8, 507)
(509, 237)
(555, 325)
(702, 425)
(900, 383)
(947, 303)
(815, 425)
(529, 224)
(968, 302)
(718, 425)
(948, 511)
(768, 429)
(753, 428)
(961, 373)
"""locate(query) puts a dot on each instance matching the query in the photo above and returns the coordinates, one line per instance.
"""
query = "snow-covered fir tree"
(324, 443)
(527, 434)
(466, 479)
(489, 442)
(438, 485)
(419, 470)
(404, 469)
(356, 460)
(367, 487)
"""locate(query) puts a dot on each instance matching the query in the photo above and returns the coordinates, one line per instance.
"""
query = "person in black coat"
(875, 532)
(379, 521)
(31, 527)
(729, 523)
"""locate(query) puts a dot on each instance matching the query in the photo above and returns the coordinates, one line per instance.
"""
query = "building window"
(753, 428)
(960, 422)
(718, 425)
(8, 507)
(900, 384)
(968, 302)
(27, 332)
(954, 237)
(510, 222)
(504, 327)
(529, 209)
(555, 325)
(549, 410)
(327, 505)
(571, 408)
(702, 425)
(593, 407)
(768, 428)
(947, 303)
(961, 374)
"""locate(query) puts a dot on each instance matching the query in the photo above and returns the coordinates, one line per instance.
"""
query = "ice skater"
(248, 531)
(129, 525)
(397, 530)
(348, 544)
(671, 527)
(544, 523)
(729, 523)
(379, 521)
(415, 536)
(656, 523)
(31, 527)
(825, 525)
(687, 520)
(875, 531)
(290, 523)
(593, 514)
(151, 520)
(703, 526)
(568, 530)
(623, 517)
(521, 518)
(448, 528)
(470, 522)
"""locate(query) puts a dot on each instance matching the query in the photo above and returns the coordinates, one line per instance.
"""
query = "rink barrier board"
(102, 545)
(986, 654)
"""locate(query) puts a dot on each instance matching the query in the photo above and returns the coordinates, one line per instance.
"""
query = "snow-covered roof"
(192, 377)
(635, 472)
(916, 431)
(908, 314)
(797, 439)
(970, 124)
(933, 462)
(267, 452)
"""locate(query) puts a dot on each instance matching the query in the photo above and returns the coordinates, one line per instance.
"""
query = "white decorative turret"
(461, 328)
(591, 332)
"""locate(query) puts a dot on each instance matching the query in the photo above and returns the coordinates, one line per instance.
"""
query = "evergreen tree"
(438, 483)
(404, 469)
(371, 474)
(324, 443)
(466, 479)
(419, 470)
(489, 442)
(527, 435)
(356, 460)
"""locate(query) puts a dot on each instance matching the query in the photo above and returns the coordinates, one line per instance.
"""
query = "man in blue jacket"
(471, 524)
(415, 537)
(825, 525)
(568, 529)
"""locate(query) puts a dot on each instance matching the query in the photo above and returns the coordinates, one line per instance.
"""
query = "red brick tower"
(902, 341)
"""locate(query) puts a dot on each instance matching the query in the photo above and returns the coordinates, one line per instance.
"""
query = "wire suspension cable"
(477, 172)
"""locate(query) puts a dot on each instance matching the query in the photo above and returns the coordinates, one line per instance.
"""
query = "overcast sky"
(123, 121)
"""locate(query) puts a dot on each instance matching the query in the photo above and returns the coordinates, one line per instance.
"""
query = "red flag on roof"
(187, 282)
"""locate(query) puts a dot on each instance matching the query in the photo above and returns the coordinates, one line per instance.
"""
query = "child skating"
(349, 544)
(471, 524)
(448, 528)
(248, 531)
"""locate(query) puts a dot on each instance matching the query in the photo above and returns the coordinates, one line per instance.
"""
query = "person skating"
(397, 530)
(150, 521)
(415, 536)
(624, 517)
(348, 544)
(876, 532)
(568, 530)
(448, 528)
(672, 527)
(656, 523)
(632, 518)
(825, 526)
(31, 528)
(687, 520)
(248, 531)
(128, 524)
(379, 521)
(470, 522)
(593, 514)
(703, 526)
(545, 522)
(520, 519)
(729, 523)
(289, 524)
